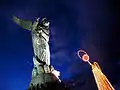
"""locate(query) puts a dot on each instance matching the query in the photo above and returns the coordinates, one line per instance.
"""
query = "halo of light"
(84, 57)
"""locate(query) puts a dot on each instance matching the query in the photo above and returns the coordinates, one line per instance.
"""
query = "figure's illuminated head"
(45, 22)
(37, 19)
(83, 55)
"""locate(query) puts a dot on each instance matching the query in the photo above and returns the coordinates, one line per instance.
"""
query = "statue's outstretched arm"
(26, 24)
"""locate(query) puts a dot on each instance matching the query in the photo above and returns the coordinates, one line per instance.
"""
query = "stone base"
(46, 81)
(49, 86)
(43, 78)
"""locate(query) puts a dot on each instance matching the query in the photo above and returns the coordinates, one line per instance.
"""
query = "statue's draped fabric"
(40, 46)
(40, 37)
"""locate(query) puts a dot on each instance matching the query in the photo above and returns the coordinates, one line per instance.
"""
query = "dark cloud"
(92, 25)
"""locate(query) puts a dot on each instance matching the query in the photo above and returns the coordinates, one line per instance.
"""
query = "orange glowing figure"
(85, 57)
(101, 80)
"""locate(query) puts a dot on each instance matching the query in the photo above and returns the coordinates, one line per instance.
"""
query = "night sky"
(92, 25)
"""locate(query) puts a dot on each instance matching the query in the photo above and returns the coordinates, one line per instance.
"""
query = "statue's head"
(45, 22)
(37, 19)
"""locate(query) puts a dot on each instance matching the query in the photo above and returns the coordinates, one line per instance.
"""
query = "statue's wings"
(26, 24)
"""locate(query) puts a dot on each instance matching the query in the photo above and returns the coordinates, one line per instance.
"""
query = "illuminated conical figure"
(101, 80)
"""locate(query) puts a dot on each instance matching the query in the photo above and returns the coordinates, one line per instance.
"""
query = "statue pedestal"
(42, 79)
(46, 81)
(43, 76)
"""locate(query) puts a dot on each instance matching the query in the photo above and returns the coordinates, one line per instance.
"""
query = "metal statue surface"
(40, 38)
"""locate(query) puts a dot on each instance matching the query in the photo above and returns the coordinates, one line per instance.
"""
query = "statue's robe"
(40, 38)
